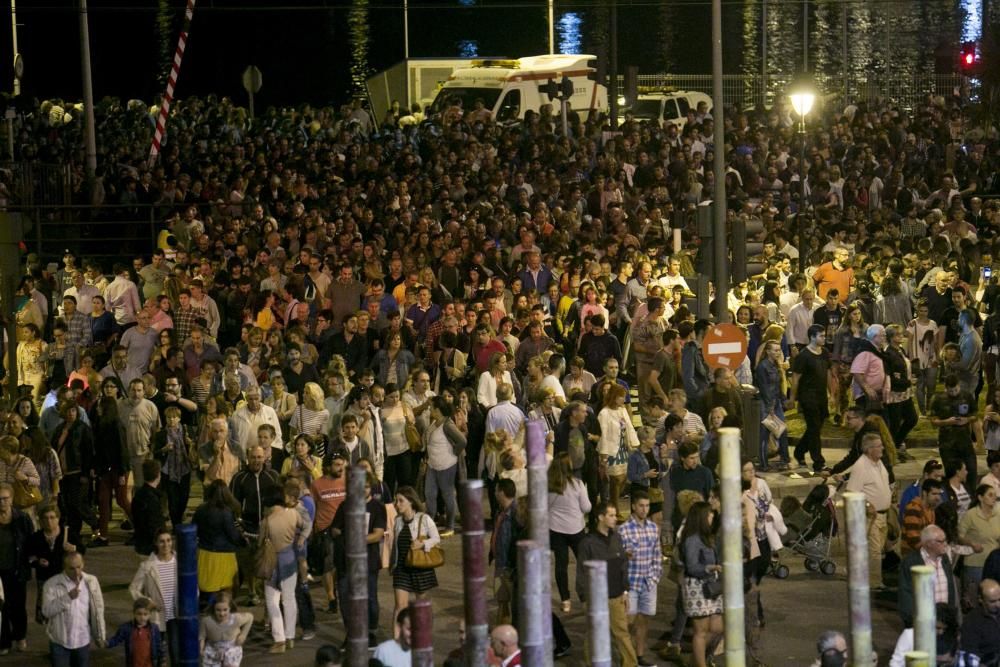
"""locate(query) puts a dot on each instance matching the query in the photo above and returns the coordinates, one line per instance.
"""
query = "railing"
(750, 89)
(102, 233)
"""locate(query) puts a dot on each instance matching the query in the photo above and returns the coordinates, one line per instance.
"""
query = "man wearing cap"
(64, 276)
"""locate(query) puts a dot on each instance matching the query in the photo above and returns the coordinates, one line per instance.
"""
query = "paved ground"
(797, 609)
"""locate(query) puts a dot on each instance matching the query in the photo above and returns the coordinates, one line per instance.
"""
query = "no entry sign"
(724, 346)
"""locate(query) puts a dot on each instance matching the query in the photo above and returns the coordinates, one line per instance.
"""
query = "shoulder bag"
(25, 494)
(265, 560)
(413, 439)
(424, 560)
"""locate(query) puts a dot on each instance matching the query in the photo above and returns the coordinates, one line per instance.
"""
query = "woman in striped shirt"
(310, 418)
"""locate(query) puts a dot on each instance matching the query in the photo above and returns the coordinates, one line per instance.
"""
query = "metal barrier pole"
(422, 633)
(355, 543)
(530, 630)
(732, 546)
(538, 523)
(858, 589)
(477, 629)
(924, 616)
(598, 616)
(186, 624)
(917, 659)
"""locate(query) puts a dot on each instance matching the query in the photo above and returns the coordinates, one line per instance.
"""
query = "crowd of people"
(327, 293)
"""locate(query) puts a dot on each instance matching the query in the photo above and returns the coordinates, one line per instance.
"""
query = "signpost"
(252, 82)
(724, 346)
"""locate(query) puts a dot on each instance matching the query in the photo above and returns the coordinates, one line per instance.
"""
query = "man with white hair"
(832, 649)
(933, 552)
(870, 477)
(870, 383)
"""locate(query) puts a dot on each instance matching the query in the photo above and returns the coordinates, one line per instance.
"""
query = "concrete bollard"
(477, 639)
(732, 546)
(917, 659)
(598, 616)
(858, 590)
(538, 521)
(531, 616)
(187, 595)
(422, 633)
(924, 614)
(355, 536)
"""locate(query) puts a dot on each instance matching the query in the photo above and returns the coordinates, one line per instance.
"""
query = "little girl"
(221, 634)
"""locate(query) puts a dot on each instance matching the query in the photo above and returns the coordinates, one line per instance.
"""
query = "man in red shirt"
(329, 492)
(485, 347)
(836, 274)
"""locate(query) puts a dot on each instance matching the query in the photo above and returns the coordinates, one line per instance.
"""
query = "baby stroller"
(811, 528)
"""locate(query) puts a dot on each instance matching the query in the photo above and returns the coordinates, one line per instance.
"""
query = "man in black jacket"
(933, 552)
(147, 509)
(603, 543)
(251, 486)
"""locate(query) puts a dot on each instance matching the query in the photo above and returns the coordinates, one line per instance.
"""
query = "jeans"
(173, 637)
(765, 437)
(282, 624)
(178, 493)
(680, 617)
(810, 440)
(65, 657)
(561, 544)
(343, 595)
(926, 381)
(444, 481)
(902, 418)
(307, 614)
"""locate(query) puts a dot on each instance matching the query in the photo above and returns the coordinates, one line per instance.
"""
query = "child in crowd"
(143, 647)
(221, 634)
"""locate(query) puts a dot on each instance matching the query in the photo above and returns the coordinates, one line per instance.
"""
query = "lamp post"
(802, 95)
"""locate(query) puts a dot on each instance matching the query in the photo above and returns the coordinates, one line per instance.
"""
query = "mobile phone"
(987, 272)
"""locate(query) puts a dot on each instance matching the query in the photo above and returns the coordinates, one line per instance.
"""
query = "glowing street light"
(802, 94)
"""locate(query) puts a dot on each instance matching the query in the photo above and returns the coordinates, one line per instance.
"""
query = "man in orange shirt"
(329, 492)
(836, 274)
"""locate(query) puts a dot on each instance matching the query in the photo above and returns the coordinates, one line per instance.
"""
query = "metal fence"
(750, 89)
(37, 184)
(102, 233)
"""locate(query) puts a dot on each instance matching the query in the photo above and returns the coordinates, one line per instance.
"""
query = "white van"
(509, 88)
(669, 107)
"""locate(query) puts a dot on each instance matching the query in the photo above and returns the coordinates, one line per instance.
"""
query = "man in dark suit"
(933, 553)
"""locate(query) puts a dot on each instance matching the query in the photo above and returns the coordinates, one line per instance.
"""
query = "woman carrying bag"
(414, 531)
(702, 583)
(444, 442)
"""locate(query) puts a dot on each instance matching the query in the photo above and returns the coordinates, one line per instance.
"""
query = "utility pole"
(763, 53)
(805, 35)
(552, 27)
(13, 29)
(406, 53)
(721, 276)
(88, 96)
(613, 66)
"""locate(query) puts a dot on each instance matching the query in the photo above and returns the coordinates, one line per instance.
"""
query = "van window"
(670, 109)
(510, 108)
(684, 106)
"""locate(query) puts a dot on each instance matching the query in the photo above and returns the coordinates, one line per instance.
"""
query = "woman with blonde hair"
(310, 418)
(16, 468)
(496, 375)
(618, 439)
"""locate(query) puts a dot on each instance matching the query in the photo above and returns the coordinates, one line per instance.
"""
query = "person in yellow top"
(265, 319)
(303, 460)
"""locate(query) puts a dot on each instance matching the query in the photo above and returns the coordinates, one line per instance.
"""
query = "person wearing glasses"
(933, 552)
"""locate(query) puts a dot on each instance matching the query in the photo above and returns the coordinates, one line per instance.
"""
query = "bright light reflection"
(972, 27)
(570, 27)
(468, 48)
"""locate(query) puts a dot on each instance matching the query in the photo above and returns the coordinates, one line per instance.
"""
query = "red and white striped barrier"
(161, 121)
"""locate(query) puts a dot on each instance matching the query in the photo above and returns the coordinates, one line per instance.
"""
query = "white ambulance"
(509, 88)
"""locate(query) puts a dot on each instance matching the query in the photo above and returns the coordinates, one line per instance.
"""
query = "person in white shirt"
(870, 477)
(396, 652)
(82, 292)
(122, 297)
(247, 420)
(74, 606)
(800, 318)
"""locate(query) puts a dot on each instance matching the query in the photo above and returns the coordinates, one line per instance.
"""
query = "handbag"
(424, 560)
(413, 437)
(712, 587)
(774, 424)
(265, 560)
(25, 494)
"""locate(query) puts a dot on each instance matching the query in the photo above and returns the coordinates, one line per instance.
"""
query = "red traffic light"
(970, 58)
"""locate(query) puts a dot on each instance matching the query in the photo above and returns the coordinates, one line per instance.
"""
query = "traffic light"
(747, 247)
(566, 87)
(969, 58)
(550, 88)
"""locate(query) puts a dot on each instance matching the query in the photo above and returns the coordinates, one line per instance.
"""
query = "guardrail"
(102, 233)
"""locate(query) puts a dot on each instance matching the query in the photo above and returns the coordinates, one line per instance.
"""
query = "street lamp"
(802, 94)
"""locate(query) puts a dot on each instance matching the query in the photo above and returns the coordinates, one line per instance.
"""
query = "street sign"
(724, 346)
(252, 80)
